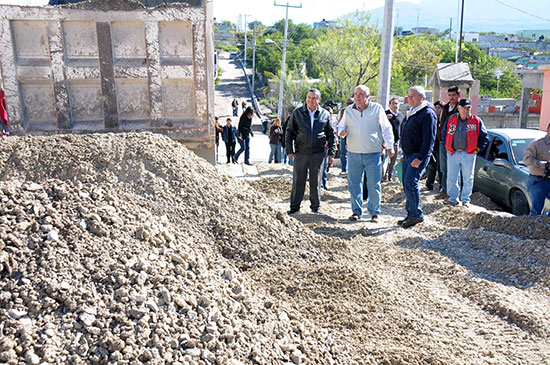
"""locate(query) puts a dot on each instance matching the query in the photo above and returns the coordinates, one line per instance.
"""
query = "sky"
(482, 15)
(267, 13)
(311, 10)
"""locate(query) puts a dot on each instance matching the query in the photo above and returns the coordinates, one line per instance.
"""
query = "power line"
(522, 11)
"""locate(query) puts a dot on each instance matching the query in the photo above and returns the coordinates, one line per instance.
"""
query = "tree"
(295, 90)
(414, 58)
(348, 56)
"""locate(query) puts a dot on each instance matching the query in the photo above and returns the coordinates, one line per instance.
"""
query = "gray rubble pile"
(119, 248)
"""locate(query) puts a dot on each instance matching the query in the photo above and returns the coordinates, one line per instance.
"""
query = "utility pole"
(254, 57)
(457, 22)
(417, 17)
(386, 55)
(450, 28)
(461, 24)
(282, 79)
(245, 38)
(397, 22)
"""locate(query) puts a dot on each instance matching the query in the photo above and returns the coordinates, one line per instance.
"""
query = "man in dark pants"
(449, 109)
(229, 136)
(396, 118)
(309, 129)
(432, 170)
(417, 141)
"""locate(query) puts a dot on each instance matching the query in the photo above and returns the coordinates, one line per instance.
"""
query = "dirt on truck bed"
(127, 249)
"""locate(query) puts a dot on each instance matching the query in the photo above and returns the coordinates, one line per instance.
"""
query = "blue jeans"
(539, 191)
(460, 162)
(443, 167)
(343, 154)
(275, 153)
(369, 163)
(284, 157)
(411, 177)
(245, 147)
(325, 166)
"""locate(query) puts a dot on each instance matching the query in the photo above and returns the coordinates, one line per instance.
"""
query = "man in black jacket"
(308, 133)
(396, 118)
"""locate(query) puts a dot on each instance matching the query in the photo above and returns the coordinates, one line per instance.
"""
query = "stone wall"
(508, 120)
(82, 71)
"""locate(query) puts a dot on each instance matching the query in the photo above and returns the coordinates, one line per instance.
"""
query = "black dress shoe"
(292, 211)
(409, 222)
(400, 222)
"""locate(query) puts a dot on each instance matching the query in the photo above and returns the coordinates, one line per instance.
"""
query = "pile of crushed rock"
(127, 248)
(108, 254)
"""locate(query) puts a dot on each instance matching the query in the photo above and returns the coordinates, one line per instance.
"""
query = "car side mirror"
(502, 163)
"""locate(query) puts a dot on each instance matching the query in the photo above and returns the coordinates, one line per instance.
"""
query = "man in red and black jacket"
(464, 135)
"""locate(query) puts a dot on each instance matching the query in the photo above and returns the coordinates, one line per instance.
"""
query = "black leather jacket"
(301, 139)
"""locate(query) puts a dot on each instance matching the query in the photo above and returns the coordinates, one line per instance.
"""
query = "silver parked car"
(500, 172)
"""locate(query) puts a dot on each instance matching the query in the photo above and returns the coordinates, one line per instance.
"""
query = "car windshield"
(518, 149)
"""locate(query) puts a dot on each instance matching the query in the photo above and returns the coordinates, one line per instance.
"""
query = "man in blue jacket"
(229, 136)
(418, 133)
(309, 130)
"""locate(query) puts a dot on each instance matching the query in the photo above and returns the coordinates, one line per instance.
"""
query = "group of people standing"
(232, 135)
(368, 133)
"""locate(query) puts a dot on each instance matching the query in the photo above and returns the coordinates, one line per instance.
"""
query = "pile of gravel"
(127, 248)
(112, 251)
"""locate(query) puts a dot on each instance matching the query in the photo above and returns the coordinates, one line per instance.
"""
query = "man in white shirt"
(367, 129)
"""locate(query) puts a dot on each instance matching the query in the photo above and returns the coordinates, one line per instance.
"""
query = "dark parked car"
(500, 172)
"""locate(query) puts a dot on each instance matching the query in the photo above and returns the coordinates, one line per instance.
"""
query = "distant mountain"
(479, 15)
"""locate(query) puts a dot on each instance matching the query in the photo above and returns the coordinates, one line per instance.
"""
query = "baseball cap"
(465, 103)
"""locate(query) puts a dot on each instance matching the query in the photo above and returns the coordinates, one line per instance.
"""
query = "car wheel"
(520, 206)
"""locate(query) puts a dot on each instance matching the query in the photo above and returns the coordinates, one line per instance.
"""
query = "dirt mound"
(113, 252)
(128, 248)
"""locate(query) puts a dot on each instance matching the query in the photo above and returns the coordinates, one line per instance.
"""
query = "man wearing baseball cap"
(464, 135)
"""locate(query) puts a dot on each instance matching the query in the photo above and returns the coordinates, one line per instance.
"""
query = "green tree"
(295, 90)
(347, 56)
(414, 58)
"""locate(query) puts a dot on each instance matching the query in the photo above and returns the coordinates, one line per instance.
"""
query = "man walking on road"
(235, 106)
(366, 128)
(245, 132)
(309, 129)
(465, 136)
(229, 136)
(417, 141)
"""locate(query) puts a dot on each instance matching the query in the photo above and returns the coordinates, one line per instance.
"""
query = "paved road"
(233, 85)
